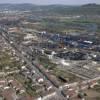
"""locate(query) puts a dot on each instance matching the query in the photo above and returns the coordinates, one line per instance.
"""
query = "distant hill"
(17, 6)
(91, 5)
(88, 9)
(92, 9)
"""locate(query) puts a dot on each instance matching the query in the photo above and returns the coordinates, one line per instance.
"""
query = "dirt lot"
(91, 95)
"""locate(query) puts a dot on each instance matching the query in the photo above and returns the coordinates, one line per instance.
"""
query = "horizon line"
(53, 4)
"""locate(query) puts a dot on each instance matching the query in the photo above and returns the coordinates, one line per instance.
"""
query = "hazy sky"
(67, 2)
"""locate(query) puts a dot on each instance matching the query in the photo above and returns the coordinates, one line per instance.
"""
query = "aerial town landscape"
(49, 52)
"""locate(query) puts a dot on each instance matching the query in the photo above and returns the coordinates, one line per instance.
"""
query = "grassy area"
(46, 63)
(66, 75)
(6, 60)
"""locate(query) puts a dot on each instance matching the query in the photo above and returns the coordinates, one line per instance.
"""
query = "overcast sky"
(67, 2)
